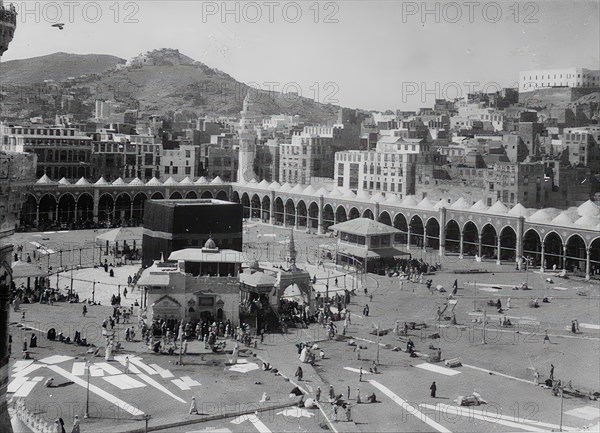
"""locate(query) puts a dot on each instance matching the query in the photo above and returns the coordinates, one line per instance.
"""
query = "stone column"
(320, 223)
(131, 210)
(564, 257)
(519, 242)
(272, 208)
(284, 216)
(408, 237)
(587, 263)
(480, 245)
(75, 214)
(96, 205)
(37, 213)
(499, 240)
(296, 220)
(460, 254)
(377, 212)
(442, 232)
(542, 257)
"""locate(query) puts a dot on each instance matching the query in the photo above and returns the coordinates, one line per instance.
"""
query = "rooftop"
(364, 227)
(203, 256)
(191, 202)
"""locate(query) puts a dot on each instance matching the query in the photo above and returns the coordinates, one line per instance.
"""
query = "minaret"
(8, 24)
(292, 252)
(247, 144)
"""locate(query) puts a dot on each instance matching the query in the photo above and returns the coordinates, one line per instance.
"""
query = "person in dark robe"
(433, 389)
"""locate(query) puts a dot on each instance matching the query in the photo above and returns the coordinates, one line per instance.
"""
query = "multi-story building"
(180, 162)
(307, 156)
(126, 156)
(266, 161)
(566, 77)
(222, 162)
(62, 152)
(583, 146)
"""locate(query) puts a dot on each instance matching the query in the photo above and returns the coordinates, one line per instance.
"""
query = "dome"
(171, 181)
(393, 199)
(363, 195)
(136, 182)
(252, 182)
(201, 181)
(152, 182)
(263, 184)
(118, 182)
(498, 208)
(64, 181)
(186, 181)
(519, 210)
(460, 204)
(322, 191)
(349, 194)
(587, 222)
(425, 204)
(297, 189)
(82, 182)
(210, 244)
(45, 180)
(216, 181)
(335, 192)
(589, 208)
(274, 186)
(409, 201)
(480, 206)
(541, 216)
(377, 198)
(563, 219)
(440, 204)
(309, 190)
(285, 187)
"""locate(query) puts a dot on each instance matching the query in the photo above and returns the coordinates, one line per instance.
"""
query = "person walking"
(348, 413)
(76, 428)
(546, 338)
(508, 303)
(331, 394)
(193, 407)
(318, 394)
(552, 372)
(358, 400)
(125, 292)
(433, 389)
(360, 374)
(84, 310)
(127, 365)
(299, 373)
(536, 378)
(348, 392)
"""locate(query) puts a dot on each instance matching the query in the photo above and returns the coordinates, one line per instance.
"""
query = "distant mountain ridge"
(155, 82)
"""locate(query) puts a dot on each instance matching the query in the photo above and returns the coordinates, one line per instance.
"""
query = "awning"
(21, 269)
(370, 254)
(202, 256)
(120, 235)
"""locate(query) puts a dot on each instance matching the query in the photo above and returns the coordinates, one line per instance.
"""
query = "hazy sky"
(368, 54)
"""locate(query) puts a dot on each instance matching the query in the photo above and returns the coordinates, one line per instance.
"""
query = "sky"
(375, 55)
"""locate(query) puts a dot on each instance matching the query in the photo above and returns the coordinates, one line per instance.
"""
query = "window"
(167, 170)
(188, 170)
(188, 154)
(175, 170)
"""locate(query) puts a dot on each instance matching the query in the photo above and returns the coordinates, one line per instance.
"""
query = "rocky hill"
(156, 82)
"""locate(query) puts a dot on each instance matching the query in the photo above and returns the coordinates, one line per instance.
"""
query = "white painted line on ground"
(38, 379)
(98, 391)
(165, 374)
(182, 386)
(356, 370)
(409, 408)
(158, 386)
(244, 368)
(78, 369)
(27, 370)
(96, 371)
(258, 424)
(15, 384)
(497, 374)
(116, 381)
(25, 389)
(438, 369)
(56, 359)
(132, 368)
(20, 365)
(140, 364)
(494, 415)
(589, 326)
(107, 367)
(490, 418)
(128, 379)
(587, 412)
(189, 381)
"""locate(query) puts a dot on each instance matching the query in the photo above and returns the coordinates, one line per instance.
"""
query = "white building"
(567, 77)
(388, 169)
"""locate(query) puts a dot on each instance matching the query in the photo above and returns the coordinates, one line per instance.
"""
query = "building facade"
(566, 77)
